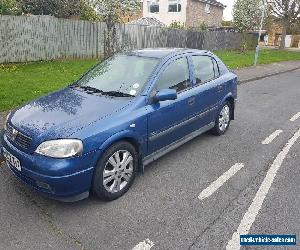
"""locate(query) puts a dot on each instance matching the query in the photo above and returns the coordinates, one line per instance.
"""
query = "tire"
(111, 178)
(223, 120)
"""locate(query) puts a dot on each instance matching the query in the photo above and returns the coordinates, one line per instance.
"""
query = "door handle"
(191, 101)
(220, 88)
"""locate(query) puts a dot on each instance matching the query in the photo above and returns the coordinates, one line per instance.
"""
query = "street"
(164, 208)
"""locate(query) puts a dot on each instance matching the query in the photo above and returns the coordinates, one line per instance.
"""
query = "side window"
(216, 68)
(204, 69)
(175, 76)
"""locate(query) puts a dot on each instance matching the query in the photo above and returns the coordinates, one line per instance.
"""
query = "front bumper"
(62, 179)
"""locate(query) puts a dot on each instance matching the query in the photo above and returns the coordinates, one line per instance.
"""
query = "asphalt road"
(163, 204)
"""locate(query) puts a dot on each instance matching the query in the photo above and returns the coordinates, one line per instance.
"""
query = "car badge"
(14, 133)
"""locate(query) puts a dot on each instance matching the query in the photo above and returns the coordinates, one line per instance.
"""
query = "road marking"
(144, 245)
(261, 194)
(295, 117)
(270, 138)
(220, 181)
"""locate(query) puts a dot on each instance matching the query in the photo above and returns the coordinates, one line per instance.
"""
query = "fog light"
(43, 185)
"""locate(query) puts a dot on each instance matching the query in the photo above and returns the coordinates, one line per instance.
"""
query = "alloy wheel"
(118, 171)
(224, 118)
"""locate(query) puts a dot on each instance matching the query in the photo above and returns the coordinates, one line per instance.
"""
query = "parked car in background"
(126, 112)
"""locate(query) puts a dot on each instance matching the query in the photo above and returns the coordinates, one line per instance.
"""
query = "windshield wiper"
(90, 89)
(116, 94)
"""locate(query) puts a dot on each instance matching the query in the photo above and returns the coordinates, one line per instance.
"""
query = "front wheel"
(115, 171)
(223, 120)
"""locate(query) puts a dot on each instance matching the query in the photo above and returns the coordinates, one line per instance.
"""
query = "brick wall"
(196, 14)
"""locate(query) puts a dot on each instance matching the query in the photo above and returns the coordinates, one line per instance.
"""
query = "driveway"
(162, 210)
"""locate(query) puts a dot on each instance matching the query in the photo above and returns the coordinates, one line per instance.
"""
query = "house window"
(174, 5)
(207, 8)
(153, 6)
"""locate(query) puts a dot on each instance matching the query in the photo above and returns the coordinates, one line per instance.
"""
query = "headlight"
(63, 148)
(6, 120)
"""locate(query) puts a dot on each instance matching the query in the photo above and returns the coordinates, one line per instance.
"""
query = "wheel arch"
(230, 99)
(130, 137)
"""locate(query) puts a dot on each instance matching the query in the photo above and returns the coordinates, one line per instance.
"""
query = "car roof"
(160, 53)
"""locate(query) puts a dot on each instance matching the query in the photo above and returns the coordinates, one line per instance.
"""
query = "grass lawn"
(237, 60)
(20, 83)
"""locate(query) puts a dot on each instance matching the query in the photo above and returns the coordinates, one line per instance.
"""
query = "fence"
(34, 38)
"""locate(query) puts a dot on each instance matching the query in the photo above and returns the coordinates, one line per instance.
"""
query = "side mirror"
(165, 95)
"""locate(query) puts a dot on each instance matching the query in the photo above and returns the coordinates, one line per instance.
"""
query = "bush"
(203, 26)
(227, 23)
(176, 25)
(10, 7)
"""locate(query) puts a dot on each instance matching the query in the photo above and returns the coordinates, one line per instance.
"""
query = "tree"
(89, 13)
(9, 7)
(247, 14)
(60, 8)
(288, 11)
(57, 8)
(35, 7)
(111, 12)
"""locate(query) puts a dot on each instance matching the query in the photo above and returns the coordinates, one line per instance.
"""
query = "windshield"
(121, 74)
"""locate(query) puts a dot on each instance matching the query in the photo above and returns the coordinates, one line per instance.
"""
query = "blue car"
(127, 111)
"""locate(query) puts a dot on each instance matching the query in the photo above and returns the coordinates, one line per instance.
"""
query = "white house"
(189, 12)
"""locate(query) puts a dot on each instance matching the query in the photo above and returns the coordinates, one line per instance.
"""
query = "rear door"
(207, 86)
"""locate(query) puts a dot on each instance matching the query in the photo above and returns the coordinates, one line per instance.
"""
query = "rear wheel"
(115, 171)
(223, 120)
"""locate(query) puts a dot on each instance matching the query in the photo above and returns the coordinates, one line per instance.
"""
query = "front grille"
(17, 137)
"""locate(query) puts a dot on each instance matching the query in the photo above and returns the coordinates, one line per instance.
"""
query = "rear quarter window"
(222, 68)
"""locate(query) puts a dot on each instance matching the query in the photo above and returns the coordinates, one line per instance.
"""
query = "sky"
(228, 10)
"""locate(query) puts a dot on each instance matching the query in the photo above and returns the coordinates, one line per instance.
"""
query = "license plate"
(12, 160)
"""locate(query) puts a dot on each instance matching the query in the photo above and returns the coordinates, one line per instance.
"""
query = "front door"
(166, 119)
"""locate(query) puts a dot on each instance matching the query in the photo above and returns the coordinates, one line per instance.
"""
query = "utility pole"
(260, 29)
